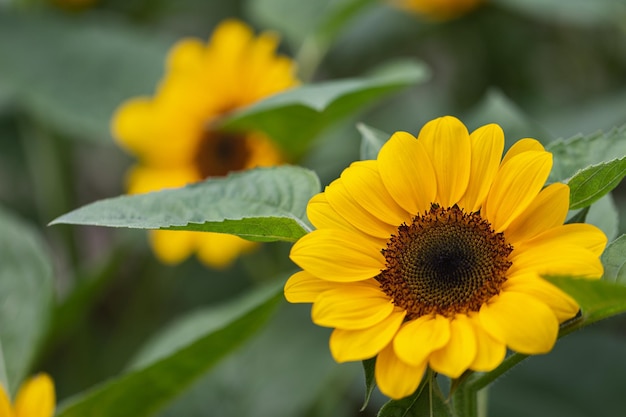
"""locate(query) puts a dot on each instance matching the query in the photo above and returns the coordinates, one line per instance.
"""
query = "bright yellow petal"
(556, 259)
(356, 345)
(36, 397)
(563, 306)
(525, 324)
(132, 124)
(220, 250)
(143, 179)
(447, 142)
(489, 352)
(5, 404)
(584, 235)
(362, 180)
(417, 339)
(303, 287)
(172, 247)
(407, 173)
(341, 200)
(522, 145)
(395, 378)
(185, 54)
(547, 210)
(487, 144)
(516, 185)
(357, 305)
(337, 255)
(459, 353)
(323, 216)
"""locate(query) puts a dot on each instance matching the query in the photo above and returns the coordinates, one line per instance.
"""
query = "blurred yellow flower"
(438, 9)
(433, 255)
(35, 398)
(173, 136)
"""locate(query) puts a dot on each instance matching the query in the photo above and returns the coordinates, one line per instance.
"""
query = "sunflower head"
(433, 255)
(174, 137)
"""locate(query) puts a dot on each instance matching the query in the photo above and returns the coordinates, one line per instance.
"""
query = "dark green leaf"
(614, 261)
(26, 295)
(263, 204)
(371, 141)
(592, 183)
(427, 401)
(295, 117)
(175, 364)
(369, 367)
(581, 12)
(94, 65)
(579, 152)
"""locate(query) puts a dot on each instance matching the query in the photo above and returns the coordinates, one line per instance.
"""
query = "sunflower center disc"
(445, 262)
(220, 153)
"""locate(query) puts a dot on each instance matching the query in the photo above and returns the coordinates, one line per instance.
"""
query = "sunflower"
(174, 137)
(432, 255)
(35, 398)
(438, 9)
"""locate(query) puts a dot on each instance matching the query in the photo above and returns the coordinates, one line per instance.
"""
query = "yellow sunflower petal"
(186, 53)
(407, 173)
(522, 145)
(447, 142)
(563, 306)
(556, 259)
(525, 324)
(36, 397)
(584, 235)
(357, 305)
(459, 353)
(547, 210)
(341, 200)
(5, 404)
(143, 179)
(323, 216)
(303, 287)
(487, 143)
(356, 345)
(132, 124)
(219, 250)
(395, 378)
(337, 255)
(172, 247)
(516, 185)
(362, 180)
(489, 352)
(417, 339)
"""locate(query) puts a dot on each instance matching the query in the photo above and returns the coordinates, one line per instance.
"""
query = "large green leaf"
(614, 261)
(26, 295)
(264, 204)
(73, 72)
(174, 365)
(295, 117)
(592, 183)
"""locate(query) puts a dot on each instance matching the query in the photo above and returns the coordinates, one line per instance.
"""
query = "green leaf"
(171, 367)
(427, 401)
(26, 295)
(592, 183)
(598, 299)
(579, 152)
(369, 367)
(95, 64)
(582, 12)
(295, 117)
(264, 204)
(614, 261)
(371, 141)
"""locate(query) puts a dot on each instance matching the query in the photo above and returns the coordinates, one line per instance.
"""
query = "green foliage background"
(123, 335)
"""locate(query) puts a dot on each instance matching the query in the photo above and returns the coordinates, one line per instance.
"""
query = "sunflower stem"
(465, 402)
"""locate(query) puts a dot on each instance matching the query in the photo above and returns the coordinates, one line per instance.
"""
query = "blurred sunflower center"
(445, 262)
(219, 153)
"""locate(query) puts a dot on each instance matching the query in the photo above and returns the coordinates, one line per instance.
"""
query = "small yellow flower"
(173, 133)
(432, 255)
(35, 398)
(438, 9)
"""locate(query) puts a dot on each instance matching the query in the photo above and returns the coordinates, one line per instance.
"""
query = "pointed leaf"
(614, 261)
(369, 367)
(295, 117)
(427, 401)
(264, 204)
(174, 366)
(371, 141)
(590, 184)
(26, 295)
